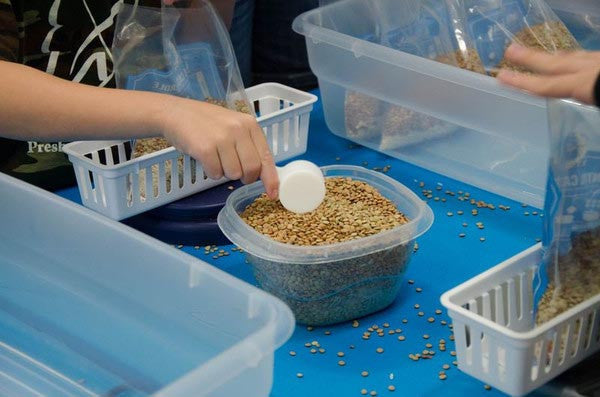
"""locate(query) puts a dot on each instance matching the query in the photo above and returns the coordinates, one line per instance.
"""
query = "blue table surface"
(443, 261)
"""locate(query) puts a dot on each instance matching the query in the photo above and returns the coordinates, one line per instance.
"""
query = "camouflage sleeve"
(9, 37)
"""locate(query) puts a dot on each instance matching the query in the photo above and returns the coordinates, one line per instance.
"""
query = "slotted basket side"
(496, 341)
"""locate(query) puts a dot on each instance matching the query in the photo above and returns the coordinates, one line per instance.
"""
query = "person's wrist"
(160, 113)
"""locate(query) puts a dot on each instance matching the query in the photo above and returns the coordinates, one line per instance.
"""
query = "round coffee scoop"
(301, 186)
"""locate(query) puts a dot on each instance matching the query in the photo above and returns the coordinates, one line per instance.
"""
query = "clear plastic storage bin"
(337, 282)
(90, 307)
(482, 133)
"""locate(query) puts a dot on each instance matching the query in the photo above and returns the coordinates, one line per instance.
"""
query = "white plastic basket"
(113, 184)
(495, 337)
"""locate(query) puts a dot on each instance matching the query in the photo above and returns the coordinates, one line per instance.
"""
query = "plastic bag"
(570, 272)
(182, 50)
(426, 28)
(495, 24)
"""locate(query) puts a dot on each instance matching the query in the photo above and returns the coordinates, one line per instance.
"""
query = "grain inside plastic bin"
(331, 283)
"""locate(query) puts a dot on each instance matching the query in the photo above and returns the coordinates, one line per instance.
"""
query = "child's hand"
(560, 75)
(226, 143)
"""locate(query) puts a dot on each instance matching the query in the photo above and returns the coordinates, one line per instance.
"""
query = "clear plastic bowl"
(332, 283)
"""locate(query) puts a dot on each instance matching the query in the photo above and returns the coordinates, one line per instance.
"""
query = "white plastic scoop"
(301, 186)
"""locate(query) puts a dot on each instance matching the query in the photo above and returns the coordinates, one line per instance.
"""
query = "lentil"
(340, 354)
(425, 336)
(420, 314)
(419, 289)
(364, 374)
(341, 363)
(438, 311)
(379, 350)
(364, 392)
(446, 366)
(292, 353)
(401, 338)
(391, 387)
(300, 375)
(487, 387)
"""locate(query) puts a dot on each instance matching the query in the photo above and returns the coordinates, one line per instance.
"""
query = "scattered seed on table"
(215, 256)
(180, 246)
(429, 345)
(431, 353)
(313, 351)
(459, 212)
(425, 336)
(355, 324)
(442, 342)
(226, 254)
(420, 314)
(474, 212)
(391, 387)
(398, 330)
(418, 289)
(449, 213)
(465, 224)
(340, 354)
(309, 328)
(411, 281)
(438, 311)
(379, 350)
(341, 363)
(351, 347)
(425, 352)
(431, 319)
(292, 353)
(386, 325)
(300, 375)
(404, 321)
(365, 337)
(308, 344)
(322, 351)
(417, 306)
(443, 199)
(375, 326)
(373, 393)
(364, 392)
(370, 329)
(443, 322)
(455, 363)
(443, 377)
(391, 332)
(436, 199)
(482, 239)
(327, 332)
(401, 338)
(453, 353)
(364, 374)
(337, 158)
(487, 387)
(446, 366)
(442, 348)
(452, 337)
(314, 343)
(526, 213)
(230, 187)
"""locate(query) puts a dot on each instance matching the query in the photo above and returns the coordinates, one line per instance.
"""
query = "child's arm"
(36, 105)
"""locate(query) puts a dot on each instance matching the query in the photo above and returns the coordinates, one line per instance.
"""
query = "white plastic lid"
(301, 186)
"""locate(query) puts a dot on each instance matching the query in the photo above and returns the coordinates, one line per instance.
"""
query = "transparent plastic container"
(484, 134)
(337, 282)
(90, 307)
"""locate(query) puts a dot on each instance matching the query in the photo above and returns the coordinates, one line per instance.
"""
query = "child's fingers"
(542, 62)
(229, 160)
(561, 86)
(249, 159)
(208, 156)
(268, 172)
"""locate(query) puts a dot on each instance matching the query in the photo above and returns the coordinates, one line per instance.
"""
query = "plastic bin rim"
(521, 338)
(235, 228)
(420, 65)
